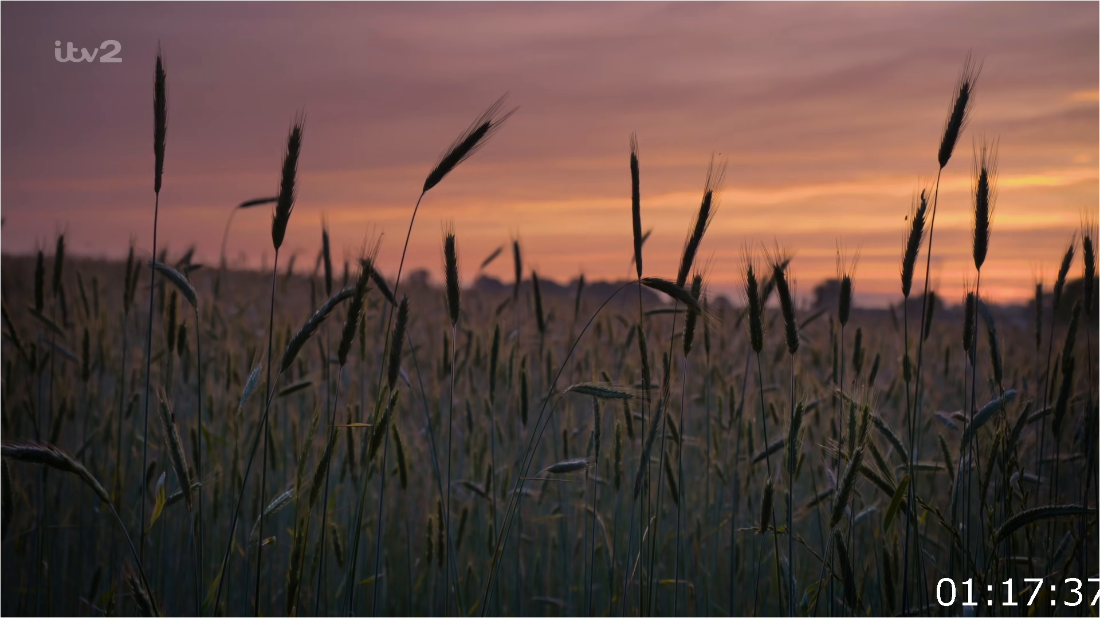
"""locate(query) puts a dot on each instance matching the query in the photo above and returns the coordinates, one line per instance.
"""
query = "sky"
(827, 116)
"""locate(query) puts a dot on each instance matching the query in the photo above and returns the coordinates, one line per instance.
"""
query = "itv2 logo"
(85, 56)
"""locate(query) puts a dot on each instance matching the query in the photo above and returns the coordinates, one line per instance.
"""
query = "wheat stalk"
(160, 129)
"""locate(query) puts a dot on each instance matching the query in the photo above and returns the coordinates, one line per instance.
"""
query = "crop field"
(345, 438)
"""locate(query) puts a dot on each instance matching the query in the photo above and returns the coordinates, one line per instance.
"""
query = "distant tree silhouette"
(827, 294)
(1070, 294)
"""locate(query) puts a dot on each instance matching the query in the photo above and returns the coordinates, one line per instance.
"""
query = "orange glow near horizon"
(828, 129)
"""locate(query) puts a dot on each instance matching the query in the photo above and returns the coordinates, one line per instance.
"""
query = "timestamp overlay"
(1043, 595)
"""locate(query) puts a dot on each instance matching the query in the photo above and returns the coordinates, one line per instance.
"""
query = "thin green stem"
(437, 474)
(528, 456)
(914, 442)
(324, 504)
(381, 506)
(683, 496)
(263, 436)
(198, 450)
(148, 364)
(790, 511)
(666, 385)
(735, 490)
(450, 436)
(492, 488)
(768, 459)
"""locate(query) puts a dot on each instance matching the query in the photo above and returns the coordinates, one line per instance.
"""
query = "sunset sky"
(829, 116)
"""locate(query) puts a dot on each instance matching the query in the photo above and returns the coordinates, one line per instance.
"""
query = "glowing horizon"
(828, 117)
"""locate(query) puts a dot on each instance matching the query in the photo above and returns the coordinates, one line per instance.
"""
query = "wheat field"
(189, 439)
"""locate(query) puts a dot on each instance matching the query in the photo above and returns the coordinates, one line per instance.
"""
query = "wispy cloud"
(829, 115)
